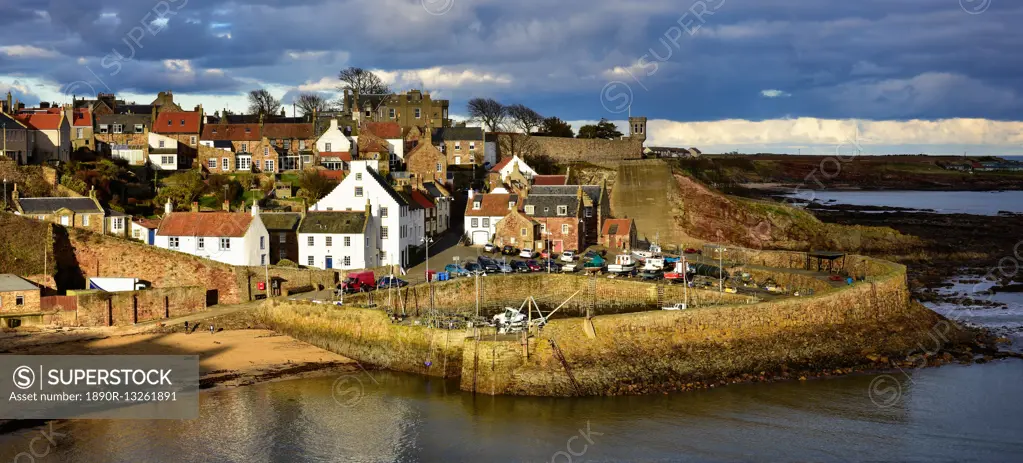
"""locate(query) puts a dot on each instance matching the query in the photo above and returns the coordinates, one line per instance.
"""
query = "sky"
(806, 76)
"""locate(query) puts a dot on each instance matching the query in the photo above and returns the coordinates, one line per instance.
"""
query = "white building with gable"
(234, 238)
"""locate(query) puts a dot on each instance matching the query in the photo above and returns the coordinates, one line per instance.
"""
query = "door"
(152, 237)
(329, 262)
(558, 246)
(480, 237)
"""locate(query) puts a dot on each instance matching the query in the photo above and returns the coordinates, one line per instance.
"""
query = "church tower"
(637, 128)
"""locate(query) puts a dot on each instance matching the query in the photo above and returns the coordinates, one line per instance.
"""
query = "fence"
(67, 303)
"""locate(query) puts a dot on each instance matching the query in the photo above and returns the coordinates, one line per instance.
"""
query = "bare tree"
(309, 102)
(524, 118)
(262, 102)
(488, 112)
(362, 81)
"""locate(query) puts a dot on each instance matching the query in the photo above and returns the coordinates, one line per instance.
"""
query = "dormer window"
(562, 210)
(182, 122)
(530, 210)
(477, 205)
(214, 130)
(248, 130)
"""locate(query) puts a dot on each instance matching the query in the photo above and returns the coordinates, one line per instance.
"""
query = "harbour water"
(942, 202)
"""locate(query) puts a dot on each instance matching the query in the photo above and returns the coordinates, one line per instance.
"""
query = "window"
(245, 148)
(283, 254)
(310, 261)
(301, 144)
(270, 165)
(523, 232)
(19, 300)
(530, 209)
(477, 204)
(244, 163)
(102, 128)
(161, 143)
(182, 122)
(224, 163)
(562, 210)
(169, 122)
(383, 212)
(85, 220)
(486, 223)
(564, 229)
(358, 192)
(458, 160)
(348, 241)
(79, 133)
(543, 228)
(283, 237)
(383, 254)
(419, 113)
(139, 128)
(225, 244)
(358, 176)
(266, 151)
(458, 146)
(310, 241)
(348, 261)
(262, 242)
(118, 223)
(475, 223)
(589, 212)
(212, 163)
(287, 144)
(330, 241)
(326, 147)
(383, 232)
(201, 243)
(173, 242)
(214, 130)
(472, 146)
(440, 168)
(136, 233)
(262, 259)
(307, 159)
(191, 140)
(165, 160)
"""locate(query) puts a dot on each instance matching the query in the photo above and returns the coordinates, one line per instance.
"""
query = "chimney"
(305, 206)
(44, 105)
(14, 194)
(168, 208)
(333, 124)
(10, 108)
(227, 206)
(92, 192)
(471, 193)
(255, 209)
(568, 175)
(195, 206)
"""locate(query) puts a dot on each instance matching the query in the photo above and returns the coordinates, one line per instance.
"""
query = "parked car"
(550, 263)
(520, 266)
(504, 267)
(358, 282)
(472, 267)
(509, 250)
(570, 268)
(488, 264)
(534, 266)
(527, 253)
(545, 254)
(693, 251)
(568, 256)
(489, 247)
(455, 270)
(391, 282)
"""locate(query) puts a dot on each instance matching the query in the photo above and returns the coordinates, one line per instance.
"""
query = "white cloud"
(326, 84)
(772, 93)
(27, 51)
(305, 55)
(441, 78)
(183, 66)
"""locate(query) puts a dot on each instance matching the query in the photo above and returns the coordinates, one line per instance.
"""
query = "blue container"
(442, 276)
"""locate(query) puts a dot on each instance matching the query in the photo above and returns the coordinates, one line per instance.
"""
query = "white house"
(396, 227)
(144, 229)
(336, 239)
(483, 211)
(508, 165)
(163, 152)
(235, 238)
(333, 140)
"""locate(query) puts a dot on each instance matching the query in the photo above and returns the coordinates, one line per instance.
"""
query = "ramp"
(641, 192)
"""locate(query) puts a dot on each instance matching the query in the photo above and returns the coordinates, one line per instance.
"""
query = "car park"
(504, 267)
(568, 256)
(488, 264)
(472, 267)
(693, 251)
(534, 265)
(358, 282)
(455, 270)
(550, 264)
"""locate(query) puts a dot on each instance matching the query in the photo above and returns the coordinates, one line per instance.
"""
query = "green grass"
(290, 178)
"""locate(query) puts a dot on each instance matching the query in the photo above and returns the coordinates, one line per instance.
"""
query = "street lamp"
(5, 191)
(721, 268)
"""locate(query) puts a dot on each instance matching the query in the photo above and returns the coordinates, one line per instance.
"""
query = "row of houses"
(986, 166)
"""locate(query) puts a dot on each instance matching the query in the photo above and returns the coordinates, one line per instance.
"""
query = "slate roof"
(11, 122)
(617, 227)
(231, 132)
(435, 190)
(593, 191)
(50, 205)
(547, 205)
(334, 223)
(280, 221)
(134, 109)
(458, 133)
(387, 187)
(254, 119)
(11, 282)
(207, 224)
(127, 120)
(177, 122)
(491, 205)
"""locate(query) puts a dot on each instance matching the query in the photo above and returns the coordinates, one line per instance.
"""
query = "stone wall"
(288, 278)
(126, 308)
(582, 149)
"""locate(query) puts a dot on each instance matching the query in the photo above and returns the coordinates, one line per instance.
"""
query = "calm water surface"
(953, 413)
(944, 202)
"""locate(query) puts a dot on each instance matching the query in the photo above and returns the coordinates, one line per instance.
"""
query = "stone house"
(619, 234)
(390, 135)
(233, 147)
(50, 132)
(283, 230)
(407, 109)
(84, 213)
(185, 126)
(412, 136)
(517, 230)
(595, 203)
(18, 296)
(124, 136)
(560, 216)
(295, 144)
(81, 129)
(462, 145)
(427, 162)
(17, 144)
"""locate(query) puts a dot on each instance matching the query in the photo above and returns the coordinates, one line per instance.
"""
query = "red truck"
(358, 282)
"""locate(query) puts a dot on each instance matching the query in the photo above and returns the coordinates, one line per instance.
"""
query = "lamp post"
(429, 280)
(721, 269)
(5, 191)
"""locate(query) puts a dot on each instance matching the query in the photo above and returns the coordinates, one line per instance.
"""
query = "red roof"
(338, 175)
(231, 132)
(374, 146)
(385, 130)
(83, 118)
(491, 205)
(211, 224)
(177, 122)
(621, 226)
(344, 155)
(40, 121)
(422, 199)
(289, 131)
(497, 167)
(148, 223)
(550, 180)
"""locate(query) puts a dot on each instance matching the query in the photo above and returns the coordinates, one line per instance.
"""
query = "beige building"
(50, 134)
(16, 142)
(408, 109)
(82, 212)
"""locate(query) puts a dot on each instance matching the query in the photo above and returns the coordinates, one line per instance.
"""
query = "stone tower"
(637, 128)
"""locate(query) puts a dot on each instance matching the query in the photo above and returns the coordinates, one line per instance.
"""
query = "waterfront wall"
(369, 336)
(97, 308)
